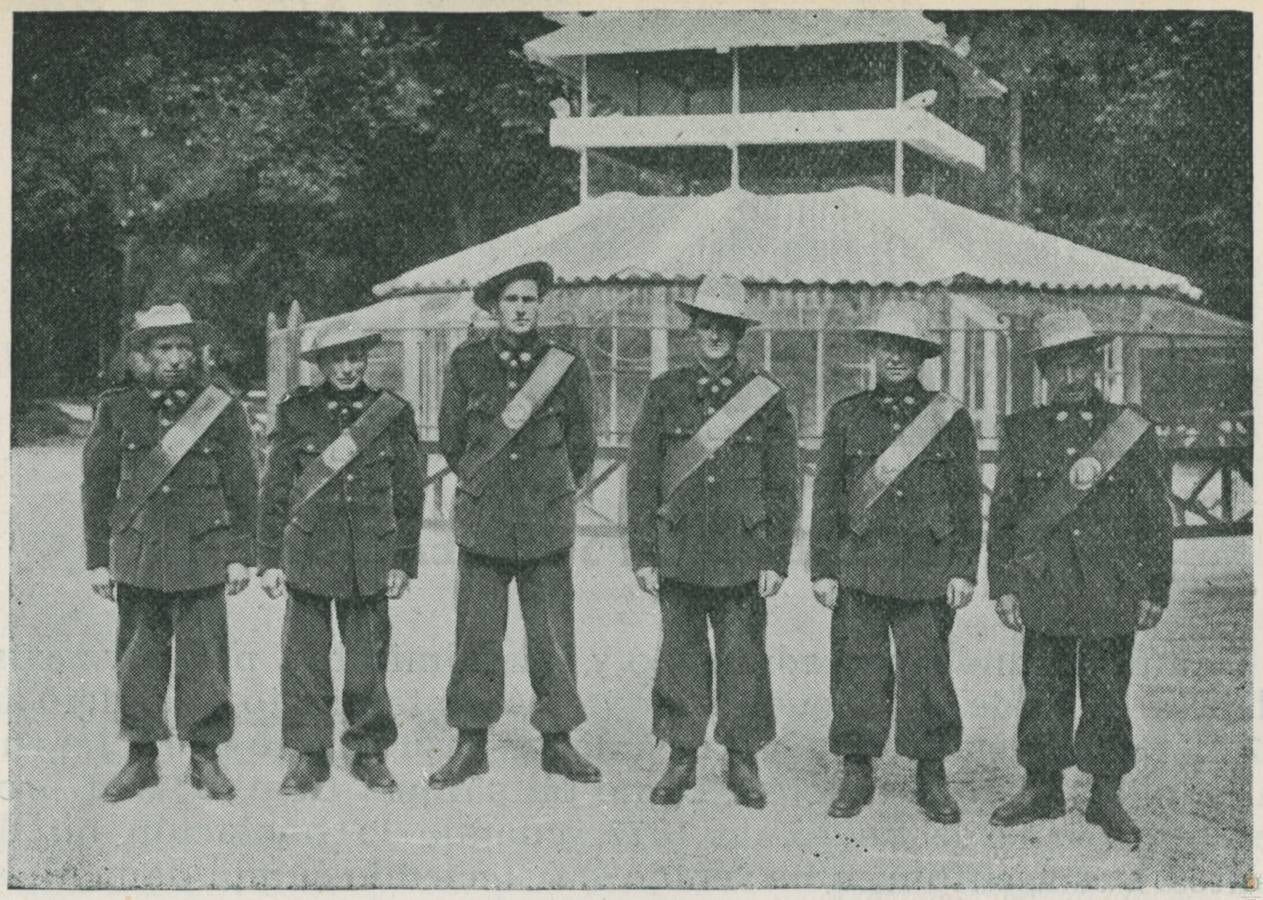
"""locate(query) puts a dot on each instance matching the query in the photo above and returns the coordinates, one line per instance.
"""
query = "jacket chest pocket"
(134, 449)
(375, 465)
(933, 471)
(200, 466)
(548, 429)
(856, 464)
(480, 413)
(744, 453)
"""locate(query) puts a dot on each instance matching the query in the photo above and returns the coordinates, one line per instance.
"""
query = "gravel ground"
(518, 827)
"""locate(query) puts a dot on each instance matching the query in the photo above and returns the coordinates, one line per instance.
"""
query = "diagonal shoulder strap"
(1084, 475)
(346, 446)
(178, 440)
(892, 461)
(716, 431)
(544, 379)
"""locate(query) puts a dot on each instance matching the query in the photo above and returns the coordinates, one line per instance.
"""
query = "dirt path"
(520, 828)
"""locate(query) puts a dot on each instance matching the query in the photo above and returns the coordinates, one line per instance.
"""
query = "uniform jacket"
(927, 527)
(198, 521)
(365, 521)
(1113, 550)
(522, 504)
(735, 515)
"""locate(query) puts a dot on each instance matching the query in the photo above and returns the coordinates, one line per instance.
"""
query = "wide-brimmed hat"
(339, 334)
(487, 293)
(1059, 329)
(722, 295)
(171, 319)
(905, 320)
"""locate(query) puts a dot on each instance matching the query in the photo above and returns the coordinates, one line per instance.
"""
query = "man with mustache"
(712, 495)
(339, 526)
(168, 510)
(516, 426)
(895, 533)
(1081, 549)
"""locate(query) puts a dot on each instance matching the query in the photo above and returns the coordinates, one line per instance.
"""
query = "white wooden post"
(658, 330)
(583, 112)
(989, 432)
(410, 364)
(767, 349)
(820, 368)
(898, 104)
(613, 372)
(1133, 388)
(428, 414)
(956, 338)
(736, 109)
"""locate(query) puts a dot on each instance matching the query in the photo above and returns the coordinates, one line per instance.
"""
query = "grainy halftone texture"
(517, 827)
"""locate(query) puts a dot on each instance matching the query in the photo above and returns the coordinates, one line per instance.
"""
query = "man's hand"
(826, 591)
(1148, 615)
(396, 583)
(1008, 611)
(238, 577)
(273, 583)
(959, 592)
(647, 578)
(769, 583)
(102, 583)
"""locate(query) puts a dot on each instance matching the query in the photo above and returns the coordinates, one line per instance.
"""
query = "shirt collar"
(908, 393)
(518, 354)
(706, 380)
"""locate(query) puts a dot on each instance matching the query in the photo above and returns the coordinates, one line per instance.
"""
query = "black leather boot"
(743, 779)
(1042, 798)
(206, 775)
(856, 790)
(933, 797)
(559, 757)
(681, 774)
(306, 771)
(139, 772)
(1106, 810)
(467, 760)
(371, 769)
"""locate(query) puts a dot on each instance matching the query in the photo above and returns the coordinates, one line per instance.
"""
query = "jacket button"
(512, 456)
(1077, 532)
(311, 448)
(512, 384)
(350, 478)
(1071, 451)
(131, 446)
(710, 479)
(166, 488)
(710, 410)
(898, 493)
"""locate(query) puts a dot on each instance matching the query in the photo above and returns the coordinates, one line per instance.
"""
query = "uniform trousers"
(1046, 735)
(865, 684)
(150, 625)
(307, 679)
(742, 686)
(475, 693)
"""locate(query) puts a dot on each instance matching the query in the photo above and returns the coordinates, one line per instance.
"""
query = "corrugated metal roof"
(647, 31)
(856, 235)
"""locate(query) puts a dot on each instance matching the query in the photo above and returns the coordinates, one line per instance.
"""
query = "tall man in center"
(895, 532)
(712, 493)
(516, 426)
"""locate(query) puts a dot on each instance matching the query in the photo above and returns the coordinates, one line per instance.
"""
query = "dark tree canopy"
(238, 162)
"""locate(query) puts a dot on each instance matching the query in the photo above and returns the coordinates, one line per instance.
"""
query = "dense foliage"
(240, 162)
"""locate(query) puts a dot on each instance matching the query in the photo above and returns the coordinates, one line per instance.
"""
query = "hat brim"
(488, 293)
(313, 354)
(1088, 343)
(690, 310)
(200, 332)
(927, 349)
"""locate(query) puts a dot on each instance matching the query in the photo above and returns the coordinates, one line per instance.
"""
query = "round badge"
(341, 451)
(1085, 473)
(516, 413)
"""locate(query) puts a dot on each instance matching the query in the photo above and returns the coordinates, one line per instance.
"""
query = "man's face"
(897, 361)
(518, 307)
(169, 359)
(716, 336)
(343, 367)
(1071, 371)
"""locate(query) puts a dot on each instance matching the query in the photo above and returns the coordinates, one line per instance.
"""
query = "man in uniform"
(339, 524)
(516, 426)
(712, 496)
(895, 535)
(168, 508)
(1080, 559)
